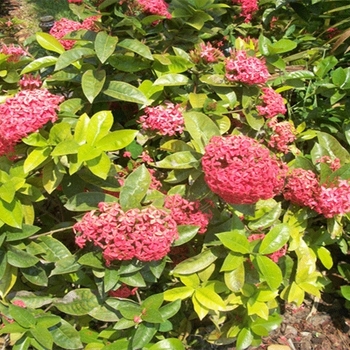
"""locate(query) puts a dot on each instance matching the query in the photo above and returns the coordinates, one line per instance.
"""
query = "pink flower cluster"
(65, 26)
(272, 103)
(248, 7)
(206, 53)
(25, 113)
(275, 256)
(154, 7)
(145, 234)
(186, 212)
(14, 52)
(124, 291)
(284, 134)
(334, 164)
(30, 82)
(303, 188)
(75, 1)
(241, 171)
(246, 69)
(165, 120)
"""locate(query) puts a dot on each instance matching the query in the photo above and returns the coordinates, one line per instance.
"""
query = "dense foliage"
(171, 171)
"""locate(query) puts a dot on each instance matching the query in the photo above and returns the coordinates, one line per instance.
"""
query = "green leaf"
(102, 313)
(235, 279)
(20, 258)
(88, 201)
(209, 299)
(335, 149)
(77, 302)
(49, 42)
(135, 279)
(65, 266)
(143, 335)
(180, 160)
(35, 158)
(235, 241)
(90, 259)
(98, 127)
(325, 256)
(186, 233)
(232, 261)
(172, 79)
(268, 219)
(116, 140)
(281, 46)
(42, 336)
(35, 275)
(270, 271)
(100, 166)
(168, 344)
(66, 336)
(19, 234)
(8, 280)
(125, 92)
(22, 316)
(264, 327)
(52, 175)
(54, 249)
(171, 309)
(135, 188)
(179, 293)
(92, 83)
(275, 239)
(137, 47)
(39, 63)
(244, 339)
(196, 263)
(11, 213)
(31, 300)
(152, 316)
(345, 291)
(324, 66)
(71, 56)
(104, 45)
(81, 129)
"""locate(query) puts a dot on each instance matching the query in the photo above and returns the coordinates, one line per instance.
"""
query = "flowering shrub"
(169, 167)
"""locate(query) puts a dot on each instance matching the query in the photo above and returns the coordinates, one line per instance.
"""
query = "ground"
(316, 325)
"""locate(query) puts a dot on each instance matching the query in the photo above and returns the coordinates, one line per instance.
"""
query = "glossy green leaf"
(179, 293)
(52, 175)
(232, 261)
(196, 263)
(209, 299)
(71, 56)
(324, 66)
(35, 158)
(263, 327)
(100, 165)
(105, 45)
(103, 313)
(22, 316)
(66, 336)
(345, 291)
(49, 42)
(171, 309)
(65, 266)
(117, 140)
(235, 241)
(135, 188)
(255, 307)
(19, 258)
(325, 256)
(77, 302)
(87, 201)
(168, 344)
(201, 128)
(172, 79)
(32, 300)
(143, 335)
(332, 145)
(186, 233)
(42, 336)
(54, 249)
(180, 160)
(244, 339)
(19, 234)
(98, 127)
(8, 280)
(125, 92)
(35, 275)
(39, 63)
(275, 239)
(91, 259)
(134, 279)
(268, 219)
(282, 46)
(235, 279)
(270, 271)
(199, 309)
(92, 83)
(137, 47)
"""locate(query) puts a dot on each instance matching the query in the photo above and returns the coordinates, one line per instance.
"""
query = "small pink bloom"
(154, 7)
(19, 303)
(283, 135)
(30, 82)
(272, 103)
(14, 52)
(248, 7)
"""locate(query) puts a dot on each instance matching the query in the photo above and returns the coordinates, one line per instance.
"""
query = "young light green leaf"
(125, 92)
(275, 239)
(105, 45)
(71, 56)
(172, 79)
(137, 47)
(49, 42)
(235, 241)
(116, 140)
(92, 83)
(39, 63)
(269, 270)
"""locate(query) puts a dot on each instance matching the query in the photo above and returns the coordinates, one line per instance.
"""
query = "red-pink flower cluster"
(154, 7)
(64, 26)
(272, 103)
(30, 82)
(26, 112)
(334, 164)
(275, 256)
(124, 291)
(165, 120)
(284, 134)
(241, 170)
(145, 234)
(303, 188)
(75, 1)
(206, 53)
(246, 69)
(186, 212)
(248, 7)
(14, 52)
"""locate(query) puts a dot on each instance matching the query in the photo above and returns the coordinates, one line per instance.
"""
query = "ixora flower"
(13, 52)
(24, 113)
(206, 53)
(30, 82)
(164, 120)
(65, 26)
(246, 69)
(145, 234)
(248, 7)
(154, 7)
(272, 103)
(242, 171)
(283, 135)
(186, 212)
